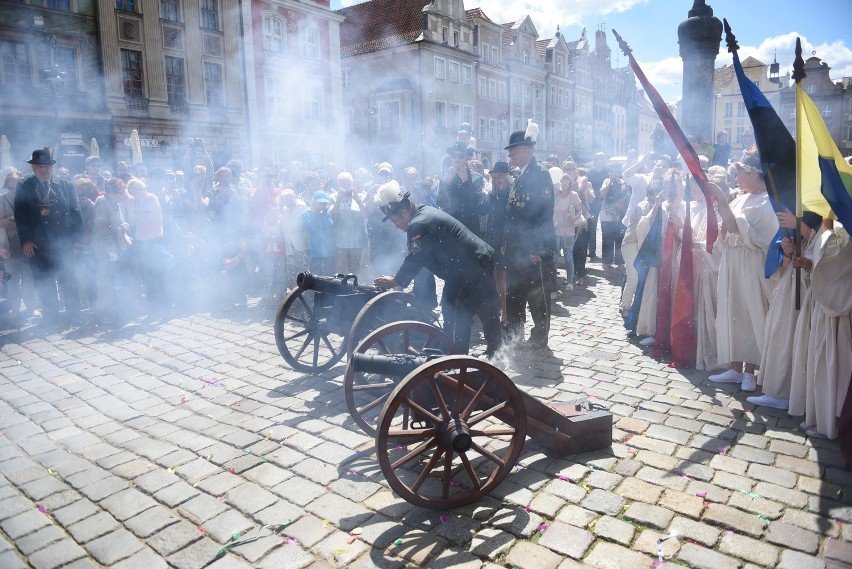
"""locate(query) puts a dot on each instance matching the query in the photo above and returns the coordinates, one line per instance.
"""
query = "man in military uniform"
(442, 244)
(47, 216)
(460, 190)
(530, 239)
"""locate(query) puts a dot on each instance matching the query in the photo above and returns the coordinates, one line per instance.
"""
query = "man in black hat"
(461, 189)
(442, 244)
(530, 239)
(49, 223)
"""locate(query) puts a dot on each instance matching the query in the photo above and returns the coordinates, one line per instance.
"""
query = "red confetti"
(201, 529)
(328, 487)
(232, 471)
(351, 540)
(183, 399)
(543, 527)
(42, 509)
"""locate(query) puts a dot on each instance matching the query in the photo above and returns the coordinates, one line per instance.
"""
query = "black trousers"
(612, 234)
(528, 285)
(580, 247)
(461, 301)
(52, 267)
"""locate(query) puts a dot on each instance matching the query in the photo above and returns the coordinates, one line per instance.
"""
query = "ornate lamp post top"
(701, 31)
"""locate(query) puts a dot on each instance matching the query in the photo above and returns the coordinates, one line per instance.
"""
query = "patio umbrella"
(5, 152)
(135, 147)
(94, 150)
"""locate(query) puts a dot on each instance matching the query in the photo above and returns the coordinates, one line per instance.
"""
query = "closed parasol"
(5, 152)
(135, 147)
(94, 149)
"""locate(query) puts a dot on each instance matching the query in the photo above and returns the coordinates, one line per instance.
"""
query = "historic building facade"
(172, 70)
(51, 92)
(295, 83)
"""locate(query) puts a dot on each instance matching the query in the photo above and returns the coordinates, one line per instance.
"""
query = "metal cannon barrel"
(390, 365)
(336, 285)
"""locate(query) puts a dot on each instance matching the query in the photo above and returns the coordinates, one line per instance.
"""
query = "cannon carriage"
(449, 428)
(323, 318)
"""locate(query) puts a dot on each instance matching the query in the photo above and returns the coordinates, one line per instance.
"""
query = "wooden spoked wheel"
(304, 338)
(390, 306)
(450, 432)
(367, 392)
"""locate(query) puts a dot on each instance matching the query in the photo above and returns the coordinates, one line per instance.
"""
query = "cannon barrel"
(390, 365)
(336, 285)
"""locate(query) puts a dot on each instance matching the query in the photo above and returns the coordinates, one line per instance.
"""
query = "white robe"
(743, 292)
(706, 270)
(776, 363)
(828, 355)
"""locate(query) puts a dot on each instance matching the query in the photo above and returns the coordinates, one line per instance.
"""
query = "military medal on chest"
(44, 201)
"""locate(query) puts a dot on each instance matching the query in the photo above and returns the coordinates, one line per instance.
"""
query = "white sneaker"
(729, 376)
(769, 401)
(649, 341)
(749, 382)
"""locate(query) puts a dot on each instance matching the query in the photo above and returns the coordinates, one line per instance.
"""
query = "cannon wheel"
(450, 432)
(366, 392)
(390, 306)
(303, 338)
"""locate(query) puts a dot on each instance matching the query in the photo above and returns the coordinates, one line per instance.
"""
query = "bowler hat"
(460, 147)
(42, 157)
(500, 168)
(518, 138)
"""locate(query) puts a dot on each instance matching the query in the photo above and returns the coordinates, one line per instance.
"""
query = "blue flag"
(650, 255)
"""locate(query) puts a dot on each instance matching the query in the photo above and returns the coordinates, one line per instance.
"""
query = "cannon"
(452, 428)
(316, 319)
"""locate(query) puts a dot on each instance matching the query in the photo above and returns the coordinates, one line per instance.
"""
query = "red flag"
(684, 342)
(690, 157)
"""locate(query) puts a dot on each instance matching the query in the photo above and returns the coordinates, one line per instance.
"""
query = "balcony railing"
(136, 103)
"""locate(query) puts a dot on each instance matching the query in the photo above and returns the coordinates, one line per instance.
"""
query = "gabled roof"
(752, 62)
(474, 13)
(541, 47)
(379, 24)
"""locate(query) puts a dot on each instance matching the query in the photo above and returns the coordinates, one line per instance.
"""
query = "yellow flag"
(808, 176)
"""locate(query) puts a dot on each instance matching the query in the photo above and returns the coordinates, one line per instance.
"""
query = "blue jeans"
(566, 245)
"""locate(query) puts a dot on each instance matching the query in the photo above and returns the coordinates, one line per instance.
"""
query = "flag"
(663, 345)
(824, 181)
(648, 257)
(690, 157)
(777, 151)
(684, 344)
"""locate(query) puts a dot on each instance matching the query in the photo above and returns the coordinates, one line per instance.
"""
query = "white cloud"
(547, 14)
(836, 54)
(665, 75)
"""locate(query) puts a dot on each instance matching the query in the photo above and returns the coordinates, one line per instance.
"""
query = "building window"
(482, 87)
(486, 53)
(389, 115)
(539, 98)
(495, 56)
(64, 5)
(560, 65)
(125, 5)
(483, 128)
(347, 78)
(273, 34)
(552, 96)
(729, 110)
(455, 39)
(467, 114)
(309, 42)
(276, 98)
(454, 72)
(131, 71)
(213, 92)
(492, 129)
(741, 109)
(502, 91)
(16, 63)
(826, 111)
(440, 114)
(810, 89)
(467, 75)
(170, 10)
(175, 84)
(492, 89)
(525, 57)
(740, 133)
(445, 34)
(455, 114)
(312, 103)
(440, 69)
(66, 60)
(209, 15)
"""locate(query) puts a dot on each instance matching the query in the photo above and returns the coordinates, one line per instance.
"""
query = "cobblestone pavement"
(163, 444)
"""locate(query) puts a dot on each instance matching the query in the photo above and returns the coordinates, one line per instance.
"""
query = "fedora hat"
(460, 147)
(500, 168)
(519, 138)
(42, 157)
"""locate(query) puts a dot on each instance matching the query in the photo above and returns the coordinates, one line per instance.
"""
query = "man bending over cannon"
(443, 245)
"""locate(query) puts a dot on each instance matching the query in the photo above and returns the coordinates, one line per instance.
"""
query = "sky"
(764, 29)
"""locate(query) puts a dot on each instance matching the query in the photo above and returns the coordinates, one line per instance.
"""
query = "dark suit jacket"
(65, 221)
(529, 216)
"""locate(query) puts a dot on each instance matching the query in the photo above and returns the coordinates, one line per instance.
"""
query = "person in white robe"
(748, 227)
(776, 364)
(706, 271)
(824, 350)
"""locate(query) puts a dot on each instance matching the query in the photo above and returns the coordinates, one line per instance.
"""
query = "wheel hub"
(457, 437)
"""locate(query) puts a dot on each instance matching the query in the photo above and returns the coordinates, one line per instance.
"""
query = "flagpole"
(798, 75)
